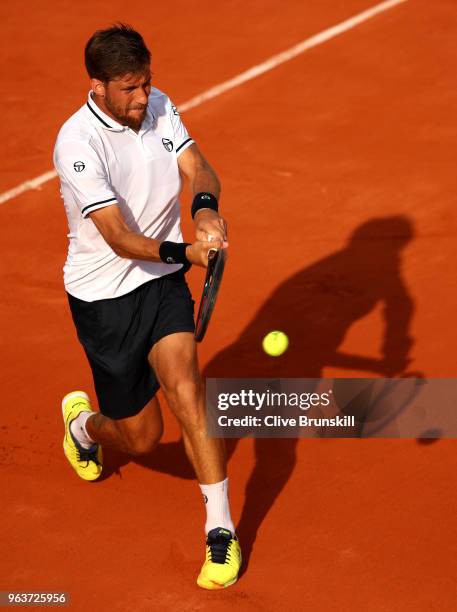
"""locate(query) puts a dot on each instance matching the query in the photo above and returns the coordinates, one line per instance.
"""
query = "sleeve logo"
(167, 144)
(175, 111)
(79, 166)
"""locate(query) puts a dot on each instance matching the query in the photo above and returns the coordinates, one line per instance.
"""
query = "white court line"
(253, 72)
(32, 184)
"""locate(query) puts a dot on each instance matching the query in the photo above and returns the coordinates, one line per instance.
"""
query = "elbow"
(120, 252)
(115, 242)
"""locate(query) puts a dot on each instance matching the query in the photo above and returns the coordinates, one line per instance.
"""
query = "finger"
(212, 246)
(223, 229)
(215, 242)
(218, 234)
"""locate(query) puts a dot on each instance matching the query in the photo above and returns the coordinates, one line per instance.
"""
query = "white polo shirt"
(102, 163)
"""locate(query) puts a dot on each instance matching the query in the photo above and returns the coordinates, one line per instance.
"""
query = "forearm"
(129, 245)
(205, 180)
(207, 218)
(118, 235)
(126, 243)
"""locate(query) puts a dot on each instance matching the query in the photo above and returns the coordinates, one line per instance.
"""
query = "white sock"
(217, 505)
(78, 429)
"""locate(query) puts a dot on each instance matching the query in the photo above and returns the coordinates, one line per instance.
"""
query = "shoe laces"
(88, 454)
(85, 454)
(219, 547)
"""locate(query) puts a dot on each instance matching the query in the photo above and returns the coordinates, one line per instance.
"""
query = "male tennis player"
(120, 159)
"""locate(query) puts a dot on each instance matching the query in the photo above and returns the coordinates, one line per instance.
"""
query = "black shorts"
(117, 335)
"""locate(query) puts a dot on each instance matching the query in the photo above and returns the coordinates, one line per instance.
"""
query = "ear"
(98, 87)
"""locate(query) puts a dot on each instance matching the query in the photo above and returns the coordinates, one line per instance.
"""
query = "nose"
(142, 97)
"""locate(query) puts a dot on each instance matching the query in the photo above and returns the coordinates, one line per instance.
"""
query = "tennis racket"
(214, 272)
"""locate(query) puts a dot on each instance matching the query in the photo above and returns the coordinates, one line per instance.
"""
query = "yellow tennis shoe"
(87, 462)
(223, 560)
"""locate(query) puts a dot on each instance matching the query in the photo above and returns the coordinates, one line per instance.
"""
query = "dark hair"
(115, 52)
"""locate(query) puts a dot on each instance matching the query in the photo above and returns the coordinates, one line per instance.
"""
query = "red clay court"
(339, 183)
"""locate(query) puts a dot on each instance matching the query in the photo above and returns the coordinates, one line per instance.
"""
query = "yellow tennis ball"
(275, 343)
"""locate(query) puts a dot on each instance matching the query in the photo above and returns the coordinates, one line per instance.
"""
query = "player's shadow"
(315, 308)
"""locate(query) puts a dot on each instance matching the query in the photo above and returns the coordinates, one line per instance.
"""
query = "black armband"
(173, 252)
(203, 200)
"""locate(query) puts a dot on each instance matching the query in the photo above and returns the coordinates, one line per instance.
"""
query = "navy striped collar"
(102, 117)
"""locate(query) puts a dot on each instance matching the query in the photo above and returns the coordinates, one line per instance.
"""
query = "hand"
(197, 253)
(209, 223)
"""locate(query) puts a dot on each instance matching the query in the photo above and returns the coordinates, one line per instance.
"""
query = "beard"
(133, 121)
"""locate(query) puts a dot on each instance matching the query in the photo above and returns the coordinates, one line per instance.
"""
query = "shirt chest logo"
(79, 166)
(167, 144)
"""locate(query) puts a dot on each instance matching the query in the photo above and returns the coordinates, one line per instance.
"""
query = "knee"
(185, 392)
(185, 399)
(141, 443)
